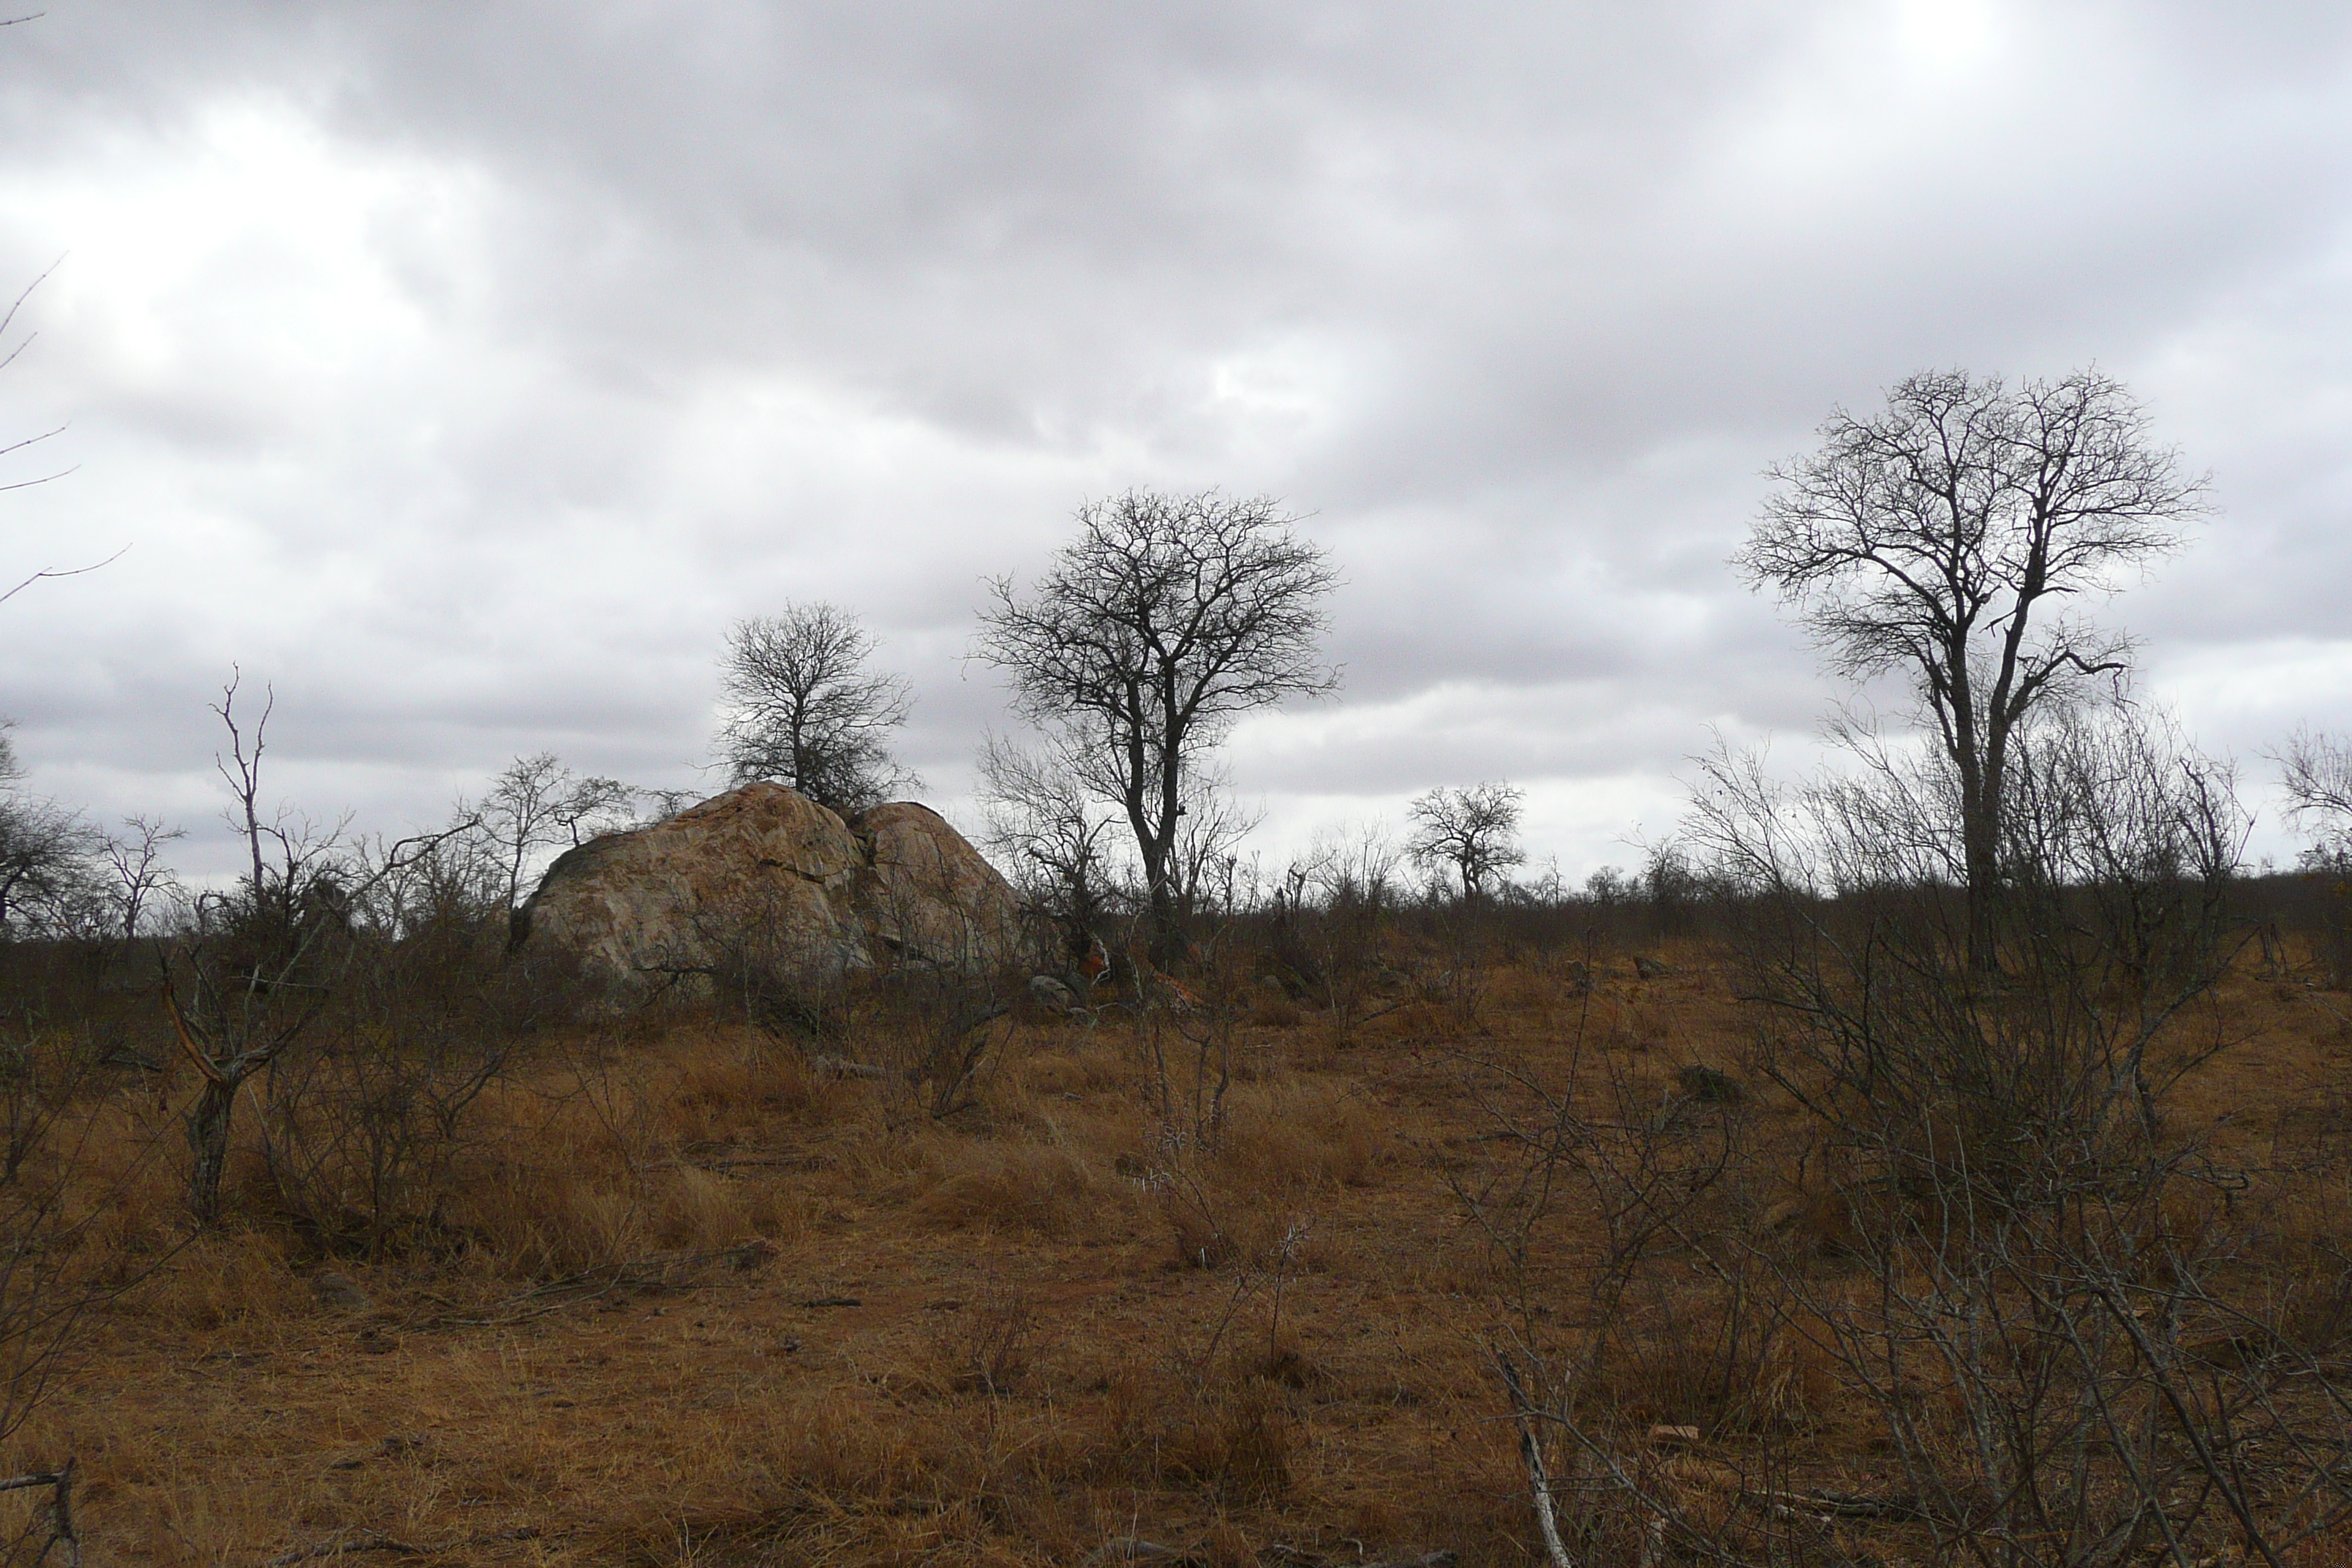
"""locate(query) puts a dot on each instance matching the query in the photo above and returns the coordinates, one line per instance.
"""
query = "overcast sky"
(461, 371)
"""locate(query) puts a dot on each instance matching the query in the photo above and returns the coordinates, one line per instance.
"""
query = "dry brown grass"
(1012, 1336)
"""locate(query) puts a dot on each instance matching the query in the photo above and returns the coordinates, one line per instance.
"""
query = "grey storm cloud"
(460, 372)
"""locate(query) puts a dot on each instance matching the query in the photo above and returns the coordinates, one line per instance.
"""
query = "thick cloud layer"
(460, 372)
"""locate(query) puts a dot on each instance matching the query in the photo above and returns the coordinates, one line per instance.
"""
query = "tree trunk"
(1981, 847)
(1975, 758)
(1160, 850)
(1159, 863)
(208, 1125)
(1163, 923)
(1981, 815)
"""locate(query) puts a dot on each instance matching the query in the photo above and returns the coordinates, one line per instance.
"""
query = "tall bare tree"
(804, 709)
(1473, 831)
(1950, 539)
(1167, 619)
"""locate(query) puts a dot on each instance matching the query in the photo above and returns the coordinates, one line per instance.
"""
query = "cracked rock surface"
(765, 875)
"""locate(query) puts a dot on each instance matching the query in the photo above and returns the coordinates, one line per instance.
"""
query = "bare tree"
(596, 806)
(136, 859)
(1167, 619)
(2317, 768)
(666, 803)
(1043, 822)
(1324, 938)
(1211, 826)
(46, 856)
(1947, 538)
(262, 962)
(1473, 831)
(44, 850)
(804, 709)
(1354, 866)
(2013, 1171)
(538, 803)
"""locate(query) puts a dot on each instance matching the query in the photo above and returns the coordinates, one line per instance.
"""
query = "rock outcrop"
(764, 875)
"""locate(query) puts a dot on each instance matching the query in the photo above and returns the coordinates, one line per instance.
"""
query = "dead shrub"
(1216, 1229)
(1315, 1049)
(1285, 1367)
(746, 961)
(1728, 1365)
(1419, 1018)
(126, 1196)
(700, 1210)
(1229, 1546)
(362, 1135)
(985, 1346)
(619, 1152)
(1217, 1427)
(1236, 1205)
(1814, 1222)
(548, 1223)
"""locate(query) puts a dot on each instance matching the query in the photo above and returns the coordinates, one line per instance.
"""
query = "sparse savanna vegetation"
(1939, 1160)
(499, 1280)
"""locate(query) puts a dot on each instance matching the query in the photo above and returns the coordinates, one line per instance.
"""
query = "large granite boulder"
(764, 875)
(925, 892)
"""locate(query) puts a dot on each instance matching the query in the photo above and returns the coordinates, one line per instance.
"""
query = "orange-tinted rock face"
(763, 873)
(927, 893)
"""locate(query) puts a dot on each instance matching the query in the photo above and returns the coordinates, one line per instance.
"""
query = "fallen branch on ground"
(1531, 1451)
(61, 1525)
(1827, 1505)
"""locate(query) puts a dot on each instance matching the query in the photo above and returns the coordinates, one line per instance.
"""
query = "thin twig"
(48, 572)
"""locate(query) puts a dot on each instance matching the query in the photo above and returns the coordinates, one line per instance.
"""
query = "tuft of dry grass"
(1289, 1135)
(1042, 1192)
